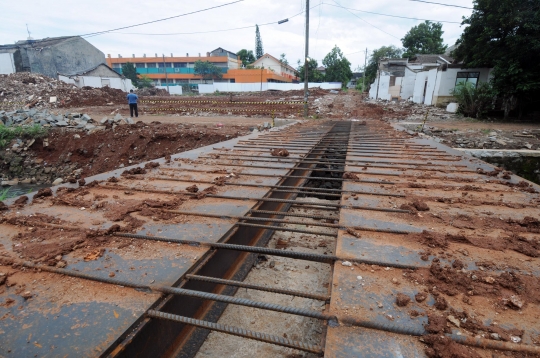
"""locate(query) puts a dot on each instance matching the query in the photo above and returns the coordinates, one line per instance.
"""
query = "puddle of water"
(22, 189)
(525, 167)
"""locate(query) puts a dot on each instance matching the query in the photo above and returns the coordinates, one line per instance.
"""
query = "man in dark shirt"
(132, 101)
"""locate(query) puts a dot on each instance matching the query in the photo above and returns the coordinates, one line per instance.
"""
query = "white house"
(426, 79)
(98, 76)
(273, 64)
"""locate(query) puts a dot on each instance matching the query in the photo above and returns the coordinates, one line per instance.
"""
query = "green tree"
(129, 71)
(425, 38)
(503, 34)
(283, 60)
(207, 70)
(313, 74)
(145, 82)
(384, 52)
(338, 68)
(259, 52)
(474, 101)
(246, 57)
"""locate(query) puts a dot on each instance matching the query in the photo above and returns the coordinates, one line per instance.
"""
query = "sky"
(330, 25)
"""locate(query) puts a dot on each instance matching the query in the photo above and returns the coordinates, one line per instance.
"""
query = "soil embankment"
(72, 154)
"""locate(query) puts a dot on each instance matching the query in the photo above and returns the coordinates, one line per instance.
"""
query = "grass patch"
(4, 194)
(9, 133)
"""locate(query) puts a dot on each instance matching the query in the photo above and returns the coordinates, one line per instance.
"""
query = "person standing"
(132, 101)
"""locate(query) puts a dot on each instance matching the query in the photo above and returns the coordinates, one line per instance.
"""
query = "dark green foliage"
(145, 82)
(425, 38)
(246, 57)
(129, 71)
(474, 101)
(338, 68)
(313, 74)
(504, 34)
(207, 70)
(9, 133)
(283, 60)
(259, 52)
(383, 52)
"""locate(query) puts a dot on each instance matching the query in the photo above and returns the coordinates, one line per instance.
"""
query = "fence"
(172, 89)
(256, 87)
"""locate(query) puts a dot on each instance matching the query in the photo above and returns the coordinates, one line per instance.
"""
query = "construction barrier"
(204, 110)
(228, 102)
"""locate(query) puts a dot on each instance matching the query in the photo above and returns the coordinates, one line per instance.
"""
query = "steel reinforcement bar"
(236, 331)
(331, 319)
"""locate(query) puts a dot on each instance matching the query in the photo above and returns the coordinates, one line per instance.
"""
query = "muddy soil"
(75, 154)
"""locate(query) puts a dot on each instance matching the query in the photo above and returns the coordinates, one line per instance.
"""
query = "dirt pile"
(72, 154)
(152, 91)
(35, 90)
(508, 289)
(279, 152)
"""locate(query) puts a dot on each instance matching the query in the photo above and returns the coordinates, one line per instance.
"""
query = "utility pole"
(364, 74)
(166, 77)
(378, 80)
(261, 76)
(306, 62)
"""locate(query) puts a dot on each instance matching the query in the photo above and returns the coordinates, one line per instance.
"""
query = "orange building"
(254, 75)
(179, 71)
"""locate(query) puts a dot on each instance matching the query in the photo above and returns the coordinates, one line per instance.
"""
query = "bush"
(474, 101)
(9, 133)
(359, 86)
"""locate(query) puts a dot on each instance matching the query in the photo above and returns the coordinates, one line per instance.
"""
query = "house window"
(180, 64)
(140, 65)
(166, 64)
(151, 65)
(116, 65)
(471, 77)
(392, 81)
(105, 82)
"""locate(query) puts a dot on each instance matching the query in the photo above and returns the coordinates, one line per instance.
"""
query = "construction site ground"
(390, 242)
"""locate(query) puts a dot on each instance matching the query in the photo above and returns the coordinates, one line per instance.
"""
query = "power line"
(192, 33)
(207, 32)
(401, 17)
(164, 19)
(438, 3)
(339, 5)
(352, 53)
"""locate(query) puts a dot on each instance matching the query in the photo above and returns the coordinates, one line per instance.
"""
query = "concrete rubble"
(33, 90)
(45, 118)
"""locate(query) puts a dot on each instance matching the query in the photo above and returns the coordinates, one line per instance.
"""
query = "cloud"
(329, 25)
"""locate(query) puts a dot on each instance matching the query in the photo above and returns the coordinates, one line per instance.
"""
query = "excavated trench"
(158, 337)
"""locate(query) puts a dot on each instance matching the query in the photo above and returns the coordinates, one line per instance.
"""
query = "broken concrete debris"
(29, 117)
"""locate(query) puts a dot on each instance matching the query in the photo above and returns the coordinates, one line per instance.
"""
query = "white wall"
(173, 89)
(373, 88)
(270, 63)
(394, 91)
(418, 92)
(432, 79)
(448, 78)
(115, 82)
(384, 88)
(407, 85)
(256, 87)
(7, 65)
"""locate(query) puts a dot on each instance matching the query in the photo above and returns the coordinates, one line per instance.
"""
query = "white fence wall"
(256, 87)
(407, 86)
(7, 65)
(123, 84)
(432, 79)
(172, 89)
